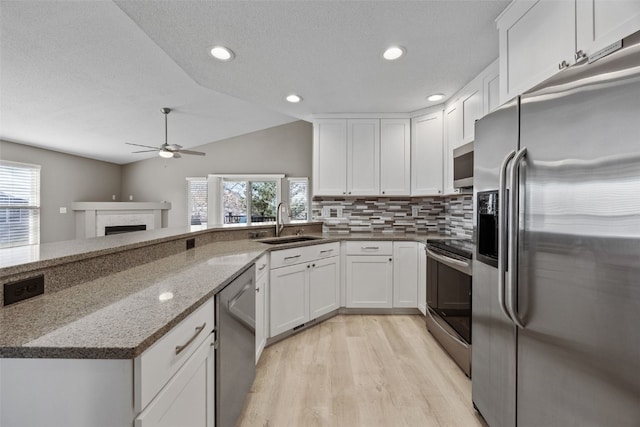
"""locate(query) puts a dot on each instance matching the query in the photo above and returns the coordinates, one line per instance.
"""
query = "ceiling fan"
(167, 150)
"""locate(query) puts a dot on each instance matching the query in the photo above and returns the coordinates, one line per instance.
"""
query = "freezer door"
(578, 289)
(493, 352)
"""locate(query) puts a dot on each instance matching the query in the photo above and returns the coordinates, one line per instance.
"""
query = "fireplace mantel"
(92, 217)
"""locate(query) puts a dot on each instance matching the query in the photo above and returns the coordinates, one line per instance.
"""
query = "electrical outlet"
(63, 210)
(415, 210)
(191, 243)
(23, 289)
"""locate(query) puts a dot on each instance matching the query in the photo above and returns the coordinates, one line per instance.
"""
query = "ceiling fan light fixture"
(222, 53)
(165, 154)
(394, 52)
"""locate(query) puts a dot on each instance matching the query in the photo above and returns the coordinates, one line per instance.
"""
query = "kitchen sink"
(288, 239)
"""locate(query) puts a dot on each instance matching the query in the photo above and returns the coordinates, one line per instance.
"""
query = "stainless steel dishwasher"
(235, 355)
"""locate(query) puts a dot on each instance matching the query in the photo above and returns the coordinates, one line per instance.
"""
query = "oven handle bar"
(458, 340)
(463, 267)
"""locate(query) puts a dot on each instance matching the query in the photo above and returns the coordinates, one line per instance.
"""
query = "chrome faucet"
(279, 223)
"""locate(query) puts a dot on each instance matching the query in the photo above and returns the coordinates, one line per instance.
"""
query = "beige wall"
(64, 178)
(282, 149)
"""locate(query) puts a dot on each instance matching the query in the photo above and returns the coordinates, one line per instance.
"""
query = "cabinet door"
(602, 22)
(491, 97)
(471, 111)
(324, 286)
(261, 324)
(188, 398)
(363, 157)
(369, 281)
(395, 157)
(426, 155)
(422, 278)
(329, 157)
(288, 298)
(405, 274)
(453, 139)
(535, 37)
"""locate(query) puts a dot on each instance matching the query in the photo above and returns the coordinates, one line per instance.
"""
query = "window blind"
(19, 204)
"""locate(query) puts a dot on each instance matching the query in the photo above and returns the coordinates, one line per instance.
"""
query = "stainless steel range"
(449, 282)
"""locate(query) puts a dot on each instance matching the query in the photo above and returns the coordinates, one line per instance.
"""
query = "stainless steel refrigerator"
(556, 288)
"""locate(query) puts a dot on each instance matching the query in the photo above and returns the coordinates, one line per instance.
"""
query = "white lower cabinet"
(304, 291)
(369, 281)
(405, 274)
(422, 278)
(288, 298)
(188, 398)
(262, 282)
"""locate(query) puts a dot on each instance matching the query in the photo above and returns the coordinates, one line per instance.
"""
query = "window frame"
(191, 179)
(216, 190)
(33, 233)
(291, 180)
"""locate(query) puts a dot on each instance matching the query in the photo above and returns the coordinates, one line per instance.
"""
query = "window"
(19, 204)
(299, 198)
(249, 201)
(197, 189)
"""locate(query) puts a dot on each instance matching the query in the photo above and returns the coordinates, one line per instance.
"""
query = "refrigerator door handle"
(502, 232)
(512, 238)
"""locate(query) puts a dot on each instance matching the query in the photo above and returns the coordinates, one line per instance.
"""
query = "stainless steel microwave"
(463, 166)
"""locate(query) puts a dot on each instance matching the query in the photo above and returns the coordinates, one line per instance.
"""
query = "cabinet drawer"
(154, 367)
(262, 266)
(302, 254)
(370, 248)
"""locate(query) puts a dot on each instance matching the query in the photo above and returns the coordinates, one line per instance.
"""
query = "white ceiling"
(84, 77)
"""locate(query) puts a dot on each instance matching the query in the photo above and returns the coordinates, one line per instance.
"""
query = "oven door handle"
(446, 260)
(453, 337)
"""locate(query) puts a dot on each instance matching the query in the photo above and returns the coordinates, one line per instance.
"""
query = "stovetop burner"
(460, 247)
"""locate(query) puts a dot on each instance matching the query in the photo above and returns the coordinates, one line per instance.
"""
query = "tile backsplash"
(451, 215)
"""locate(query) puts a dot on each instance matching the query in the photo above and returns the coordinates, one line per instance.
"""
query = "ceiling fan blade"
(146, 146)
(176, 155)
(144, 151)
(196, 153)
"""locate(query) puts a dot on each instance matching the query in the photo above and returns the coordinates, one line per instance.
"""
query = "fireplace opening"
(119, 229)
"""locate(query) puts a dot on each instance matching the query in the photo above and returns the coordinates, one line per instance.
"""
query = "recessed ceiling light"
(222, 53)
(393, 52)
(294, 98)
(435, 97)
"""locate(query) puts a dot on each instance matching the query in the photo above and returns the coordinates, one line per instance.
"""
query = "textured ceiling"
(84, 77)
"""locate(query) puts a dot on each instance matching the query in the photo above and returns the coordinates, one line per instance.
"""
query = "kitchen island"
(108, 323)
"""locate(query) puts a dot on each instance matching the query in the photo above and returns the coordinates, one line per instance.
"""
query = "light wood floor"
(355, 370)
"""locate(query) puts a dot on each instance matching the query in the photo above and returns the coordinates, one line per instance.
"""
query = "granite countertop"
(121, 315)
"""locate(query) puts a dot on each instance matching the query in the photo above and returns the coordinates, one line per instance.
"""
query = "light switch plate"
(63, 210)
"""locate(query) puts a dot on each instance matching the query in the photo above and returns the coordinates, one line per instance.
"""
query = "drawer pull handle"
(328, 250)
(185, 345)
(371, 247)
(262, 267)
(292, 257)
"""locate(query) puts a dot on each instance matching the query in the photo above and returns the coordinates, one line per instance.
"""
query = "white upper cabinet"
(426, 155)
(453, 139)
(491, 88)
(471, 107)
(329, 157)
(539, 38)
(536, 39)
(395, 157)
(602, 22)
(363, 156)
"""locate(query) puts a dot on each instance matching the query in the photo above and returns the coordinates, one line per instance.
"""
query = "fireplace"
(94, 218)
(119, 229)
